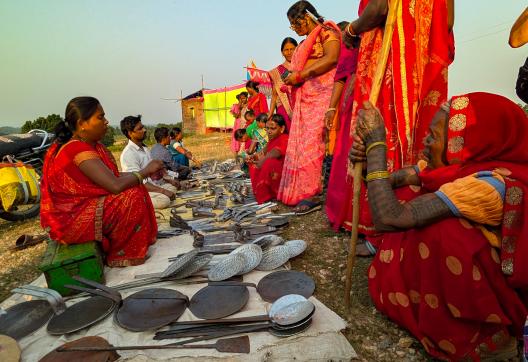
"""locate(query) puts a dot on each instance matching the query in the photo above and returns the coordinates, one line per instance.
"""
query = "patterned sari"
(301, 177)
(77, 211)
(283, 93)
(414, 85)
(445, 283)
(266, 180)
(239, 123)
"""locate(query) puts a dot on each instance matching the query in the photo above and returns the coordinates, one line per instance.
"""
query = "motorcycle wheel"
(23, 213)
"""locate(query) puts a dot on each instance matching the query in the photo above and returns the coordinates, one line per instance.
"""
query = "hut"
(193, 119)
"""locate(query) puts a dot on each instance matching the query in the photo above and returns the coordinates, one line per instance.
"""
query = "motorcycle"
(22, 158)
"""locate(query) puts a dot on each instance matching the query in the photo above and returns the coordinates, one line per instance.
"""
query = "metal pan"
(92, 341)
(151, 309)
(284, 282)
(214, 302)
(25, 318)
(87, 312)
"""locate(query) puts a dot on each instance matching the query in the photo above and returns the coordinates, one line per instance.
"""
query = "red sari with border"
(266, 180)
(301, 177)
(413, 87)
(445, 283)
(77, 211)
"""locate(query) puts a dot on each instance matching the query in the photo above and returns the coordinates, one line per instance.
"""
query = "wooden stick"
(358, 167)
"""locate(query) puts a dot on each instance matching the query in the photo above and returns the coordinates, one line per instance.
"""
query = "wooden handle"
(358, 167)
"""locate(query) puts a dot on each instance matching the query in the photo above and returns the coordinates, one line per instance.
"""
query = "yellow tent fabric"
(217, 103)
(11, 188)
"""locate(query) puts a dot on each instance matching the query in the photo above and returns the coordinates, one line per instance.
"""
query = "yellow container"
(13, 178)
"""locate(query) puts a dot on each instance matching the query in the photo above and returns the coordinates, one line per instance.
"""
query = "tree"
(109, 137)
(45, 123)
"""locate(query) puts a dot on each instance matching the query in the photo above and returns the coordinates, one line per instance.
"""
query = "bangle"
(350, 33)
(330, 109)
(374, 144)
(377, 175)
(138, 176)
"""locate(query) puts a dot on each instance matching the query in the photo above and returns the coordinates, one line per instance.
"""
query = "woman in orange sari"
(280, 100)
(85, 198)
(452, 266)
(257, 101)
(313, 64)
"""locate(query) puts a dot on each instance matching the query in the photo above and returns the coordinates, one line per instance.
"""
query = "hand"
(153, 167)
(292, 78)
(171, 195)
(259, 163)
(370, 125)
(172, 181)
(357, 151)
(329, 119)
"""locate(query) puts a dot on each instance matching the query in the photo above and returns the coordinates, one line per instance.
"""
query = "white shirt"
(134, 158)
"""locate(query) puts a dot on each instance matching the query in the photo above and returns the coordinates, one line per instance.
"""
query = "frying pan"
(284, 282)
(215, 301)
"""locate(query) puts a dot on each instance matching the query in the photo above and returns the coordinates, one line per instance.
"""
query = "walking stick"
(373, 98)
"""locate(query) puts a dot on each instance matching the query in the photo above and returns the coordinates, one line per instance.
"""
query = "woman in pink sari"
(280, 98)
(238, 110)
(312, 78)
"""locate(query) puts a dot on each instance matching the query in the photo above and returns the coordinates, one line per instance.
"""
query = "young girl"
(238, 110)
(266, 172)
(179, 154)
(258, 134)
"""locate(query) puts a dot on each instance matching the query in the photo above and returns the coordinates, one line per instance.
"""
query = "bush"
(45, 123)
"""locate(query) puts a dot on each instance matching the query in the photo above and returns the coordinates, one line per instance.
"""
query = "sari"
(239, 123)
(456, 293)
(258, 104)
(77, 211)
(339, 183)
(283, 102)
(303, 163)
(266, 180)
(414, 86)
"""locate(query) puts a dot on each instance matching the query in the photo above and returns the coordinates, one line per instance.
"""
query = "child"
(179, 154)
(258, 134)
(242, 137)
(267, 165)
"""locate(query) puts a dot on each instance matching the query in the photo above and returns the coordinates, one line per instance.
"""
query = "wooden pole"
(358, 167)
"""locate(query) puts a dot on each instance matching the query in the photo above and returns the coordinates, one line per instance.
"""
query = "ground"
(373, 336)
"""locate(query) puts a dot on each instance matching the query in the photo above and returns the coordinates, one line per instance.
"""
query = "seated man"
(136, 156)
(160, 152)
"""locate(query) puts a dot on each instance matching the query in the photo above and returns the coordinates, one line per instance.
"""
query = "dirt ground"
(373, 336)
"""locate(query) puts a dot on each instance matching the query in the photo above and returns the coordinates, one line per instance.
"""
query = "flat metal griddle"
(216, 301)
(151, 309)
(87, 312)
(78, 356)
(284, 282)
(24, 318)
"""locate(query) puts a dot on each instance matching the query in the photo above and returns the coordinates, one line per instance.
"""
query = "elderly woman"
(313, 70)
(452, 266)
(85, 198)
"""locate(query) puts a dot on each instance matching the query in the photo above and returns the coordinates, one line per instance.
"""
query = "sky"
(131, 54)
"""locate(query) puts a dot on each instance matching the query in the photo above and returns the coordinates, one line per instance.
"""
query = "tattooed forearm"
(388, 213)
(405, 176)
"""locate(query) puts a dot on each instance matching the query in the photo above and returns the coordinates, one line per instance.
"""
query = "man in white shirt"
(136, 156)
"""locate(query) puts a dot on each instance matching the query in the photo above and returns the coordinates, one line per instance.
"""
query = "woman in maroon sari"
(257, 101)
(452, 265)
(280, 98)
(267, 173)
(85, 198)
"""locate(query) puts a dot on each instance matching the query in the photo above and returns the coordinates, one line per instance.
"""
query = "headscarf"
(487, 132)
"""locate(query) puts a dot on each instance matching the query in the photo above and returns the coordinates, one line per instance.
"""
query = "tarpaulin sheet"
(217, 103)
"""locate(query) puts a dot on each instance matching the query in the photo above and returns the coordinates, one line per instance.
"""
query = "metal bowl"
(296, 247)
(227, 267)
(274, 257)
(253, 254)
(179, 263)
(195, 265)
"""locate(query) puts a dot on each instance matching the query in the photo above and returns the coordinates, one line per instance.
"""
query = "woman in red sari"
(337, 119)
(85, 198)
(313, 65)
(452, 266)
(280, 98)
(257, 101)
(267, 171)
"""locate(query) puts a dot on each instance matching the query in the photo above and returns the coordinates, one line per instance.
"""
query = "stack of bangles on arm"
(138, 176)
(376, 175)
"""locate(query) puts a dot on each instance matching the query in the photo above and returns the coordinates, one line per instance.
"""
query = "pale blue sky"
(132, 53)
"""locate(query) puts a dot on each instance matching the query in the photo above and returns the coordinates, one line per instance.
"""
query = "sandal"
(365, 249)
(25, 241)
(311, 207)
